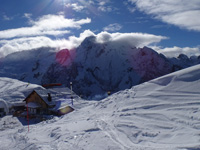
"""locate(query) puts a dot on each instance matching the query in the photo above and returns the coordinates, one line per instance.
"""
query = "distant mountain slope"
(183, 61)
(101, 67)
(94, 68)
(27, 66)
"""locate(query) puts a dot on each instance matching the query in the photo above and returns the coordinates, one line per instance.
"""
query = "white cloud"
(32, 31)
(113, 27)
(92, 6)
(59, 22)
(28, 43)
(5, 17)
(45, 25)
(102, 3)
(182, 13)
(133, 39)
(176, 51)
(20, 44)
(131, 8)
(32, 37)
(105, 8)
(75, 6)
(27, 15)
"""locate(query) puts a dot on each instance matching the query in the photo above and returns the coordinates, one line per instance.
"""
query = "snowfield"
(162, 114)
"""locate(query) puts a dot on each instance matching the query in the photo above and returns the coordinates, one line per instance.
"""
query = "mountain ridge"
(94, 68)
(100, 67)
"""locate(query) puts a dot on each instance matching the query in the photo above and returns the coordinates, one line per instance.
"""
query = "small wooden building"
(48, 102)
(39, 102)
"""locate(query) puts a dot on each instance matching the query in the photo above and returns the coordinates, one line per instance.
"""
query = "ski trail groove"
(109, 131)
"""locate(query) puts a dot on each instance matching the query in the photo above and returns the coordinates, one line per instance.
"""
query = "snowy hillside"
(162, 114)
(13, 90)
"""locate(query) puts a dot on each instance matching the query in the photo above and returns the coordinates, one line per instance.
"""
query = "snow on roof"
(58, 91)
(43, 93)
(62, 102)
(16, 91)
(55, 92)
(18, 104)
(61, 97)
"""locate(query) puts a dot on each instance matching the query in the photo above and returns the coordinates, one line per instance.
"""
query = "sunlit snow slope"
(12, 90)
(161, 114)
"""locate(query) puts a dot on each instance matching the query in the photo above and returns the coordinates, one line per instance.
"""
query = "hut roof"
(43, 93)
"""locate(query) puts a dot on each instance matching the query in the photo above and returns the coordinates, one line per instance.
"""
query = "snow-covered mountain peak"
(88, 41)
(95, 67)
(102, 67)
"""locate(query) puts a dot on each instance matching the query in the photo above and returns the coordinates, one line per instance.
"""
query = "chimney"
(49, 97)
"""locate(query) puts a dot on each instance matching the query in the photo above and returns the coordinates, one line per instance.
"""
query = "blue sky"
(168, 26)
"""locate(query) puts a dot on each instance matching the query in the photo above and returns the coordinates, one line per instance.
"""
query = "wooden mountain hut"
(39, 101)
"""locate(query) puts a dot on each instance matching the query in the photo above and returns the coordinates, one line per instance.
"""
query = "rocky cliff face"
(96, 68)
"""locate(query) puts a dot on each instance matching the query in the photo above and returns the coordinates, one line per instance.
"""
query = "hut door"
(37, 111)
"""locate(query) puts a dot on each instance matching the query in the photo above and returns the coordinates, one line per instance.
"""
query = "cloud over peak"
(28, 43)
(132, 39)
